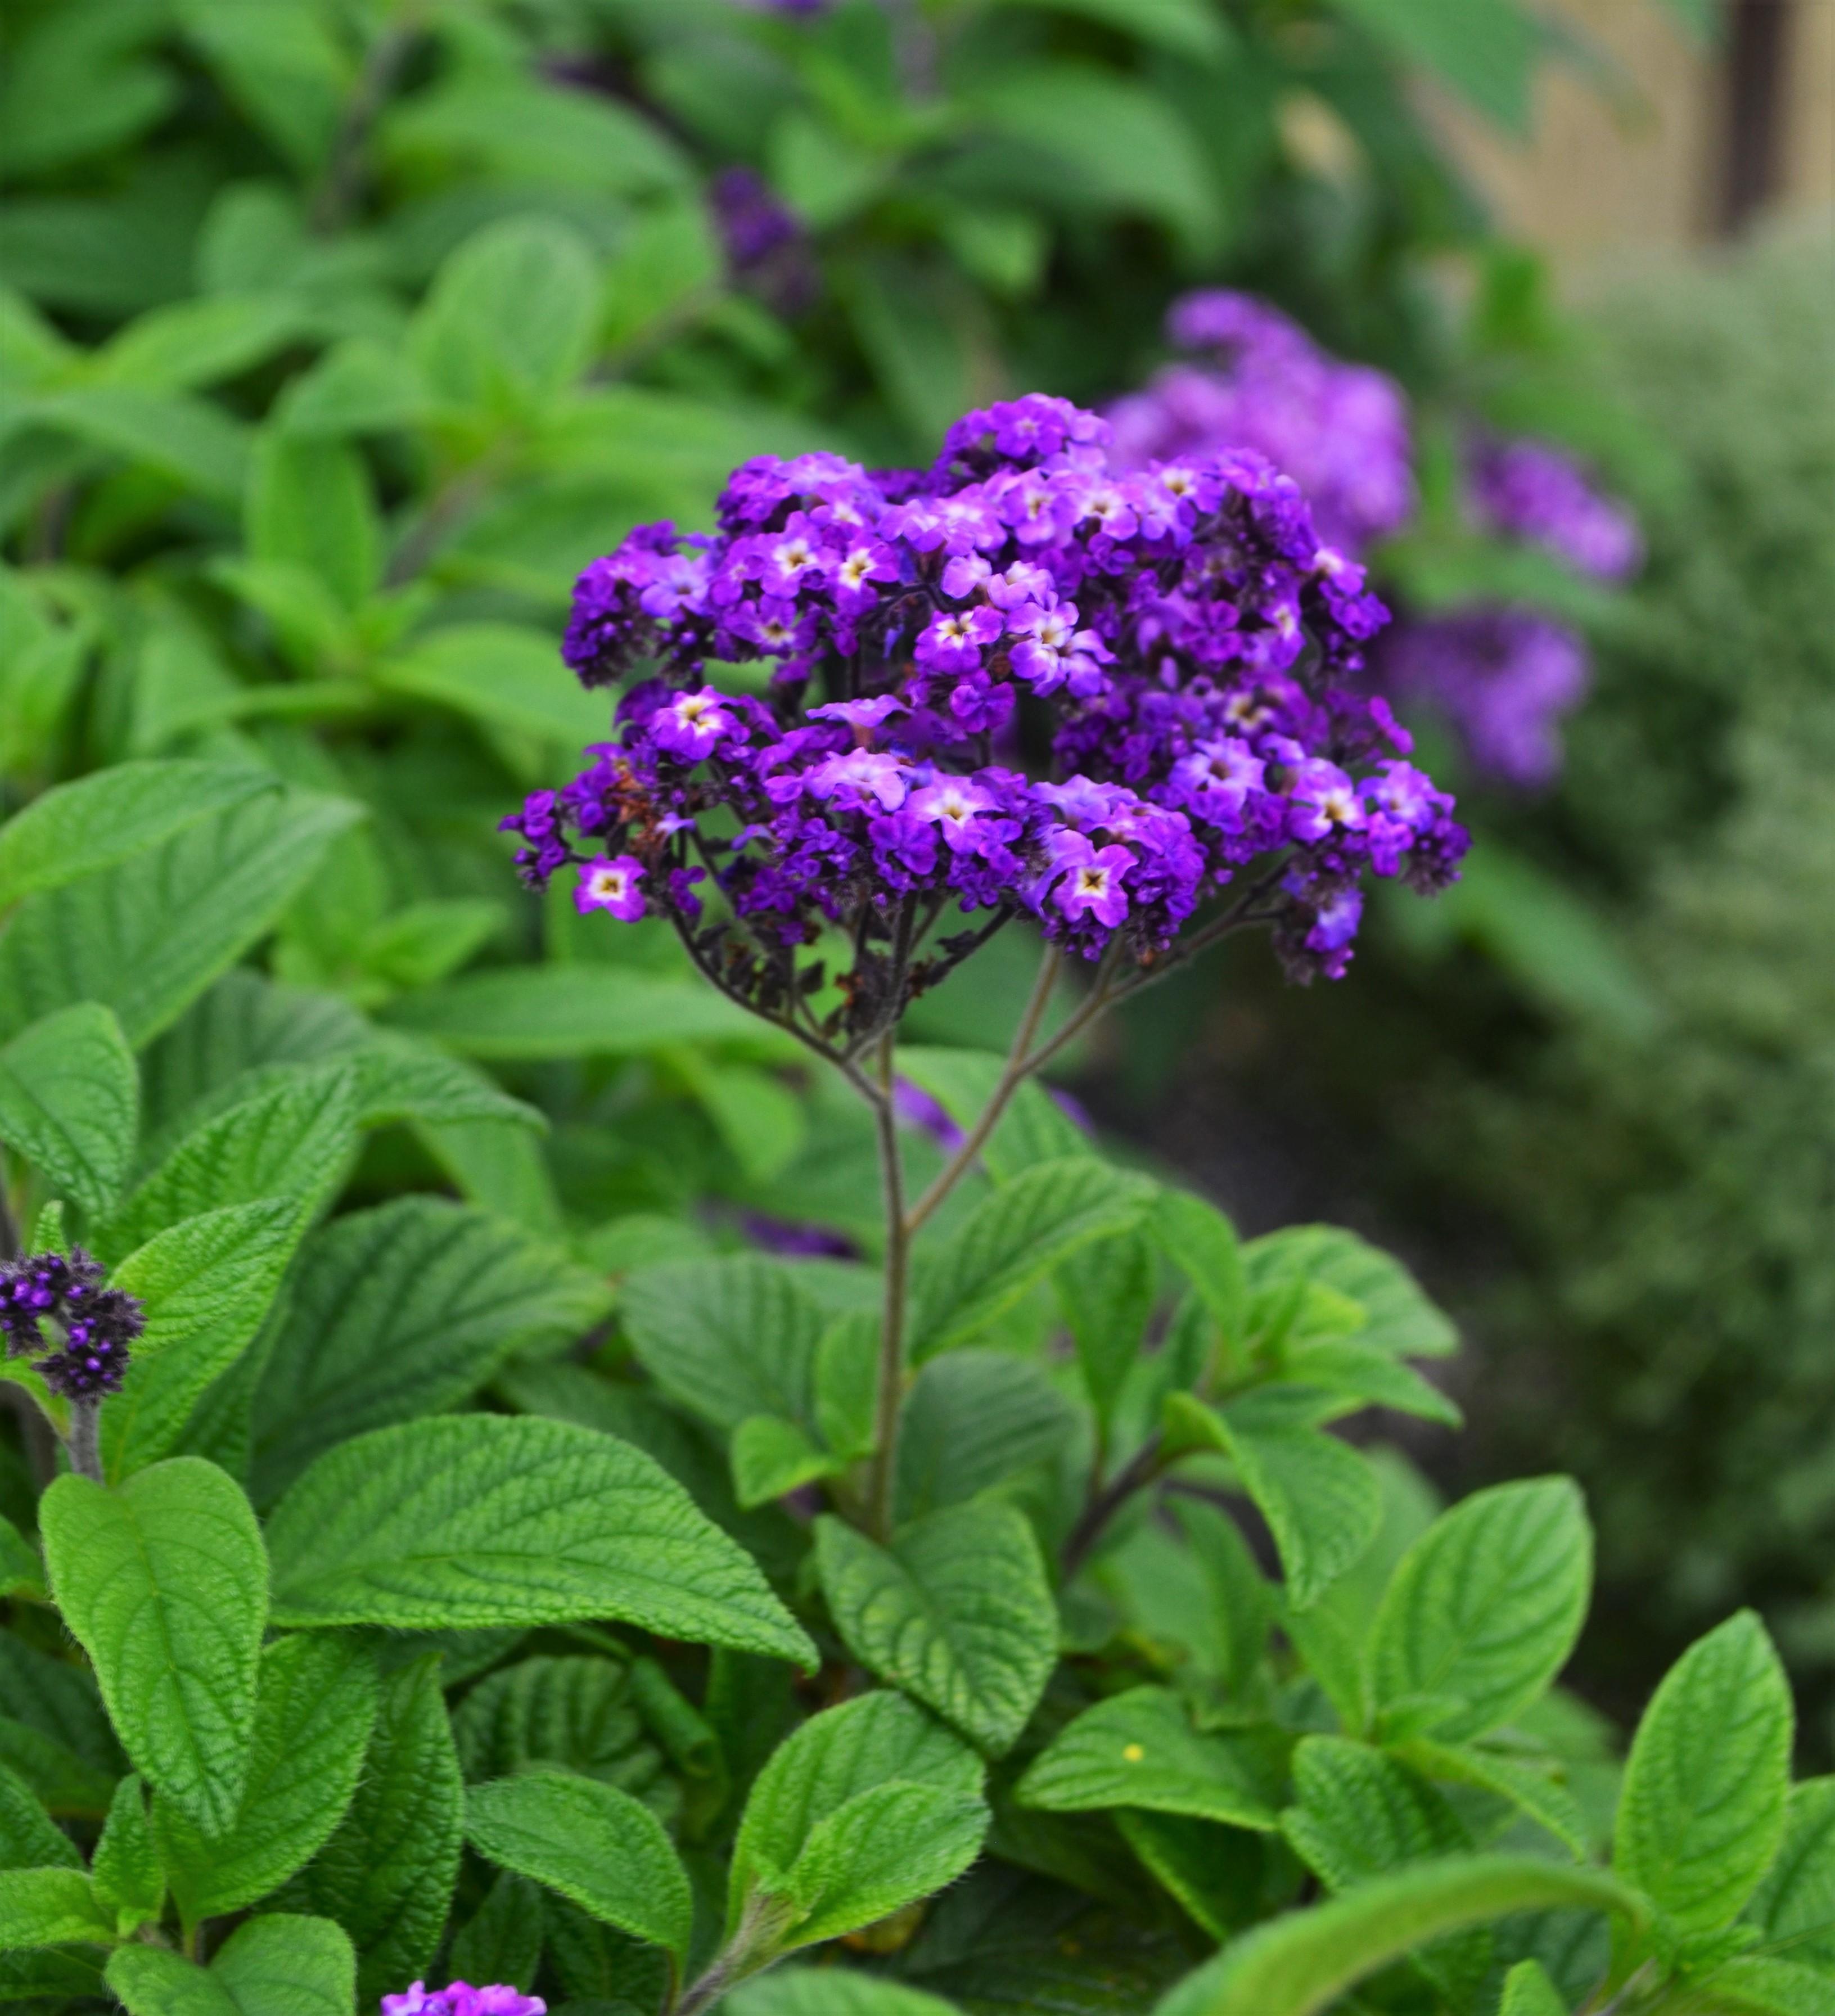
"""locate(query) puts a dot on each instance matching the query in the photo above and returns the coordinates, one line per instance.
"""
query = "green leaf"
(185, 344)
(70, 1101)
(847, 1383)
(404, 1310)
(55, 1733)
(972, 1419)
(125, 1869)
(1361, 1814)
(1184, 27)
(597, 1846)
(580, 1712)
(581, 1009)
(1106, 1291)
(505, 675)
(882, 1850)
(1532, 1792)
(1319, 1496)
(1398, 1317)
(97, 820)
(154, 1980)
(275, 1965)
(958, 1611)
(188, 441)
(1485, 49)
(486, 1519)
(1702, 1811)
(1529, 1992)
(164, 1583)
(1018, 1235)
(310, 506)
(29, 1837)
(830, 1991)
(502, 1939)
(771, 1457)
(315, 1706)
(293, 1139)
(1201, 1243)
(1363, 1373)
(1484, 1608)
(1139, 1749)
(727, 1338)
(509, 321)
(207, 1285)
(835, 1757)
(44, 1907)
(386, 1875)
(1299, 1963)
(147, 937)
(1754, 1985)
(1794, 1905)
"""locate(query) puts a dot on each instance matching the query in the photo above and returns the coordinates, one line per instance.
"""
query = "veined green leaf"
(164, 1583)
(770, 1457)
(47, 1907)
(727, 1338)
(275, 1965)
(1319, 1496)
(147, 937)
(1532, 1792)
(484, 1519)
(973, 1419)
(1529, 1992)
(315, 1708)
(1794, 1905)
(1107, 1292)
(1360, 1814)
(1139, 1749)
(1702, 1809)
(70, 1101)
(884, 1848)
(1299, 1964)
(957, 1611)
(596, 1845)
(505, 675)
(579, 1712)
(583, 1008)
(29, 1838)
(831, 1991)
(125, 1868)
(1398, 1317)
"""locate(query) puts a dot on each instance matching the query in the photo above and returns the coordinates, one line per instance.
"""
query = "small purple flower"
(955, 639)
(1088, 880)
(53, 1308)
(615, 884)
(459, 1998)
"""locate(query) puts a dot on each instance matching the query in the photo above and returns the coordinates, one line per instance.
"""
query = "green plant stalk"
(889, 1391)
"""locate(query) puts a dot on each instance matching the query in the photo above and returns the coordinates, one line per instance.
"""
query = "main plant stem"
(890, 1390)
(84, 1443)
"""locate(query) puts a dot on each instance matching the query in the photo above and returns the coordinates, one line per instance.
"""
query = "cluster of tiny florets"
(1173, 643)
(1503, 675)
(459, 1998)
(55, 1310)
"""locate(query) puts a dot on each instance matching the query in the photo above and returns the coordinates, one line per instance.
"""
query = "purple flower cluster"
(1526, 490)
(459, 1998)
(1176, 637)
(91, 1327)
(1340, 430)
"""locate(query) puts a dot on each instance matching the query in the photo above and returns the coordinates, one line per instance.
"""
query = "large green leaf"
(164, 1583)
(728, 1338)
(1398, 1317)
(1359, 1814)
(1485, 49)
(1139, 1749)
(1106, 1291)
(147, 937)
(1702, 1809)
(309, 506)
(404, 1310)
(1319, 1496)
(831, 1991)
(597, 1846)
(1484, 1608)
(972, 1419)
(578, 1711)
(29, 1837)
(957, 1611)
(206, 1284)
(292, 1140)
(1299, 1964)
(1794, 1905)
(483, 1519)
(504, 674)
(47, 1907)
(1017, 1236)
(582, 1009)
(386, 1875)
(70, 1101)
(275, 1965)
(315, 1708)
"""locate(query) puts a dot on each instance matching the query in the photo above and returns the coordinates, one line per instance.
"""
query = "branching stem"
(889, 1391)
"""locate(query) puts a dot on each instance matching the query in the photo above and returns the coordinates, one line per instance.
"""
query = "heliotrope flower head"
(459, 1998)
(1186, 651)
(54, 1309)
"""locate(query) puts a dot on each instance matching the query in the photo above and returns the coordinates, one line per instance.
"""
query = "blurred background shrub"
(336, 335)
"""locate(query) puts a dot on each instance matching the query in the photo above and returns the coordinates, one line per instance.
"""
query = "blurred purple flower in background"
(1526, 490)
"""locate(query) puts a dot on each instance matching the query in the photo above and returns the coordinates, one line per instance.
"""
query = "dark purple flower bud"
(54, 1308)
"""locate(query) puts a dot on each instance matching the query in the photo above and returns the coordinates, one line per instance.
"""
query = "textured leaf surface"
(44, 1907)
(584, 1010)
(484, 1519)
(21, 1571)
(1794, 1906)
(594, 1845)
(575, 1710)
(314, 1711)
(125, 1867)
(1532, 1792)
(1199, 1241)
(835, 1757)
(887, 1848)
(1139, 1749)
(207, 1285)
(283, 1965)
(1320, 1498)
(1398, 1317)
(1014, 1237)
(1484, 1607)
(1106, 1291)
(80, 827)
(1702, 1809)
(831, 1991)
(971, 1418)
(1529, 1992)
(1298, 1963)
(290, 1140)
(70, 1101)
(401, 1311)
(164, 1583)
(386, 1874)
(152, 1980)
(1360, 1814)
(29, 1839)
(726, 1338)
(957, 1611)
(145, 938)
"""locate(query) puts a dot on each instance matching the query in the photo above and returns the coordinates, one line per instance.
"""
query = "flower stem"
(890, 1390)
(84, 1441)
(1142, 1468)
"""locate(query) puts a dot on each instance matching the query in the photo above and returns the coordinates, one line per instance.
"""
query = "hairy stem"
(1020, 1066)
(1139, 1471)
(85, 1443)
(890, 1389)
(343, 174)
